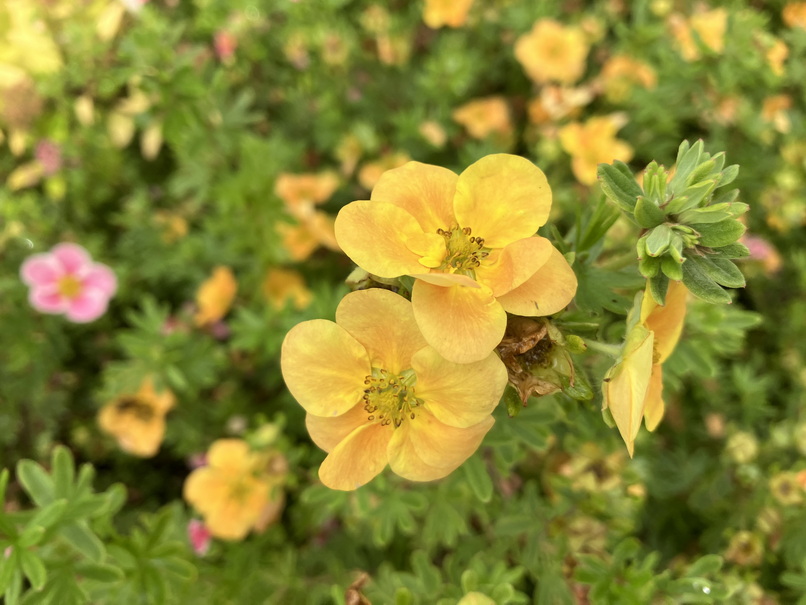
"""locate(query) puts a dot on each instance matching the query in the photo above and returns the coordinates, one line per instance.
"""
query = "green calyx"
(689, 221)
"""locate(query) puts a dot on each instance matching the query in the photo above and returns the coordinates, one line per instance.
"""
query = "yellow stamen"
(69, 286)
(390, 399)
(464, 251)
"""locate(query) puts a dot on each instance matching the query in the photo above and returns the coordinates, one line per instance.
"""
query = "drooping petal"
(87, 306)
(425, 449)
(548, 291)
(447, 279)
(384, 239)
(357, 459)
(384, 323)
(40, 270)
(509, 267)
(665, 321)
(47, 300)
(74, 259)
(423, 190)
(101, 278)
(502, 198)
(230, 455)
(653, 404)
(463, 324)
(328, 432)
(459, 395)
(324, 367)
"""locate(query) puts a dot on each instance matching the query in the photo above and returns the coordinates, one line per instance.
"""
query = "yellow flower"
(138, 421)
(26, 45)
(452, 13)
(633, 388)
(238, 490)
(622, 73)
(371, 172)
(774, 111)
(215, 296)
(469, 242)
(552, 52)
(592, 143)
(746, 549)
(794, 14)
(433, 132)
(776, 55)
(301, 240)
(301, 192)
(786, 488)
(377, 394)
(558, 102)
(708, 27)
(282, 285)
(484, 117)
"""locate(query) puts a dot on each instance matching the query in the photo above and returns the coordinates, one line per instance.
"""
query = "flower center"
(132, 405)
(69, 286)
(390, 399)
(464, 253)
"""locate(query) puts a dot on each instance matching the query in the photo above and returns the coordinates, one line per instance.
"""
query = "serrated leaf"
(33, 568)
(658, 286)
(647, 214)
(702, 285)
(478, 477)
(36, 482)
(83, 540)
(617, 186)
(716, 235)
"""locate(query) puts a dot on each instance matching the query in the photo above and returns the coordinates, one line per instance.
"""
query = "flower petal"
(203, 487)
(425, 449)
(72, 257)
(384, 323)
(87, 306)
(357, 459)
(47, 300)
(548, 291)
(328, 432)
(384, 239)
(459, 395)
(324, 367)
(653, 403)
(514, 264)
(502, 198)
(665, 321)
(40, 270)
(462, 324)
(447, 279)
(230, 455)
(423, 190)
(101, 278)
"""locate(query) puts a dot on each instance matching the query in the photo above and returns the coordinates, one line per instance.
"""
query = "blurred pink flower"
(199, 537)
(49, 154)
(66, 281)
(225, 44)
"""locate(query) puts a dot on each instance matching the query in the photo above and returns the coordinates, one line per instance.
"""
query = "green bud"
(649, 266)
(672, 268)
(647, 214)
(659, 240)
(575, 344)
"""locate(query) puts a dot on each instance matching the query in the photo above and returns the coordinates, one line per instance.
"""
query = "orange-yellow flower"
(622, 73)
(708, 27)
(592, 143)
(633, 388)
(377, 394)
(371, 172)
(283, 285)
(137, 421)
(552, 52)
(774, 111)
(776, 55)
(558, 102)
(794, 14)
(469, 242)
(301, 192)
(215, 296)
(238, 490)
(484, 117)
(453, 13)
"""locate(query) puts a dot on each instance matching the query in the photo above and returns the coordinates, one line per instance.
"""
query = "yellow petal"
(653, 404)
(215, 296)
(203, 489)
(357, 459)
(327, 433)
(425, 449)
(324, 367)
(447, 279)
(424, 191)
(463, 324)
(231, 455)
(548, 291)
(502, 198)
(27, 175)
(384, 323)
(665, 321)
(384, 239)
(626, 384)
(459, 395)
(514, 264)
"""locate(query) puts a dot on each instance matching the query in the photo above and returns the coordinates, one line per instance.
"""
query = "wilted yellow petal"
(653, 404)
(665, 321)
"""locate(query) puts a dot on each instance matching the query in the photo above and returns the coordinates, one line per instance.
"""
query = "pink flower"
(65, 280)
(49, 155)
(199, 537)
(225, 44)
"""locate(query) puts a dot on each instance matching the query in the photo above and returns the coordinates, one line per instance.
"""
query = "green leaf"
(716, 235)
(31, 536)
(728, 175)
(649, 266)
(704, 566)
(659, 240)
(63, 471)
(83, 540)
(658, 286)
(687, 159)
(647, 214)
(99, 572)
(3, 486)
(617, 186)
(721, 270)
(8, 567)
(33, 568)
(671, 268)
(50, 514)
(478, 477)
(36, 482)
(736, 250)
(701, 285)
(512, 401)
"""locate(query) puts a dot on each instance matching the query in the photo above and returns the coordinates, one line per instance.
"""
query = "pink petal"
(89, 305)
(47, 299)
(101, 277)
(72, 257)
(40, 269)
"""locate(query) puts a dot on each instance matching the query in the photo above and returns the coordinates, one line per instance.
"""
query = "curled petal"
(459, 395)
(101, 278)
(425, 449)
(87, 306)
(384, 323)
(653, 404)
(447, 279)
(502, 198)
(665, 321)
(327, 433)
(72, 257)
(357, 459)
(40, 270)
(424, 191)
(324, 367)
(514, 264)
(548, 291)
(463, 324)
(47, 300)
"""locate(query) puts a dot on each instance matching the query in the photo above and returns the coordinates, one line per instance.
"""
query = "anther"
(371, 417)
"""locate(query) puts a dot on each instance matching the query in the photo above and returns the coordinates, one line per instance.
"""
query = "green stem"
(613, 351)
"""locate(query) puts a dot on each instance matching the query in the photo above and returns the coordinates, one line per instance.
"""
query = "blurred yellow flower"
(708, 27)
(215, 296)
(26, 45)
(552, 52)
(283, 285)
(786, 488)
(592, 143)
(776, 55)
(775, 111)
(371, 172)
(484, 117)
(794, 14)
(746, 549)
(301, 192)
(558, 102)
(621, 73)
(377, 394)
(433, 132)
(453, 13)
(469, 240)
(172, 225)
(137, 421)
(301, 240)
(239, 489)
